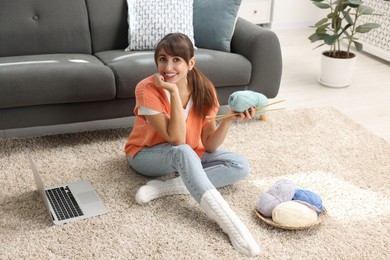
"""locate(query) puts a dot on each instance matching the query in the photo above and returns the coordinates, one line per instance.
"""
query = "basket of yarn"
(287, 206)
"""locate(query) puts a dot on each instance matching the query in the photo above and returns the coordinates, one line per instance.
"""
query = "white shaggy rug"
(318, 149)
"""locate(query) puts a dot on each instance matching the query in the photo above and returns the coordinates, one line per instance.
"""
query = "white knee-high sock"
(155, 189)
(219, 210)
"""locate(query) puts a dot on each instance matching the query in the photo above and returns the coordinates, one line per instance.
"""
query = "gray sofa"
(63, 62)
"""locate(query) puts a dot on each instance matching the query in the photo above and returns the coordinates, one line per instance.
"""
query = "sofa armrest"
(262, 48)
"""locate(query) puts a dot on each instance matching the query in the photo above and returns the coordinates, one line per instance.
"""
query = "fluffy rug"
(318, 149)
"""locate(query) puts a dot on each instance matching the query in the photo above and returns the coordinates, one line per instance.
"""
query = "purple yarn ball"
(281, 191)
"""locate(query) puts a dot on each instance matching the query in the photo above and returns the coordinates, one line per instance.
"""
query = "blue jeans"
(213, 170)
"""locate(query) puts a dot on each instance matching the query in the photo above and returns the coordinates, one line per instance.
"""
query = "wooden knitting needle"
(216, 118)
(266, 105)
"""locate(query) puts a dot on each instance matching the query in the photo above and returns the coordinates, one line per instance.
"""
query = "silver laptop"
(69, 202)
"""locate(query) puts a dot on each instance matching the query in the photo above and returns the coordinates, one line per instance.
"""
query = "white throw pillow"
(150, 20)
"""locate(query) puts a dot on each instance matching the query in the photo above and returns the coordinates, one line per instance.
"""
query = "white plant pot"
(336, 72)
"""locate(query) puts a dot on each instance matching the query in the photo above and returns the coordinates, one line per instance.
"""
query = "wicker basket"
(269, 221)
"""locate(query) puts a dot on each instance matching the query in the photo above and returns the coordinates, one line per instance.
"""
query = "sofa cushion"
(43, 27)
(214, 23)
(222, 68)
(150, 20)
(108, 21)
(54, 78)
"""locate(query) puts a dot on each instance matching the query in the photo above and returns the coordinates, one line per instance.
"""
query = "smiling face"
(174, 57)
(174, 69)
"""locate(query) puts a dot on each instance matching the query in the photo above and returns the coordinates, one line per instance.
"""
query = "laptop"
(69, 202)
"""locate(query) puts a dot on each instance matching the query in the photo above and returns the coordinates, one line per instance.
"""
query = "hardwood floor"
(366, 100)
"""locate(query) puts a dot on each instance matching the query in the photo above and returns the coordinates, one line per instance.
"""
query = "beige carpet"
(319, 149)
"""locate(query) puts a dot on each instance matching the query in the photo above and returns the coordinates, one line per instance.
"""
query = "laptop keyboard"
(63, 203)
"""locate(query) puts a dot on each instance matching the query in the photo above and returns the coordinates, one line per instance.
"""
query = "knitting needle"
(219, 117)
(266, 105)
(234, 114)
(229, 115)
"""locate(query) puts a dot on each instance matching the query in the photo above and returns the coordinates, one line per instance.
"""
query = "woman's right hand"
(172, 127)
(160, 82)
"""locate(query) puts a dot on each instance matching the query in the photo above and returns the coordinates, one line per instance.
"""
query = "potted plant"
(340, 26)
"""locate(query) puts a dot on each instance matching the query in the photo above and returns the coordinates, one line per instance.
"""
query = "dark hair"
(202, 90)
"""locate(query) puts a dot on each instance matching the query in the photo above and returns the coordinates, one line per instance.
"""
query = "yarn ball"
(240, 101)
(308, 197)
(294, 214)
(281, 191)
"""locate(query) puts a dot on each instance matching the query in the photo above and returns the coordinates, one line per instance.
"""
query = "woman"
(172, 134)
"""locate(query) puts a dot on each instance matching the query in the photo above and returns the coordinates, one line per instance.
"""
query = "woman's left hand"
(246, 115)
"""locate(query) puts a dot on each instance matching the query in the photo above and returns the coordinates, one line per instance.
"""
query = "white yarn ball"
(294, 214)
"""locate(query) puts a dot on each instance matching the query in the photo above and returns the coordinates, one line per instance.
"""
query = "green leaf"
(348, 17)
(336, 24)
(346, 27)
(340, 5)
(330, 39)
(358, 45)
(322, 5)
(365, 10)
(322, 29)
(353, 3)
(364, 28)
(322, 44)
(321, 22)
(347, 34)
(316, 37)
(332, 15)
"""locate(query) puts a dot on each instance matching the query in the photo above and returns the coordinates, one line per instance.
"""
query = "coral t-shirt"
(148, 95)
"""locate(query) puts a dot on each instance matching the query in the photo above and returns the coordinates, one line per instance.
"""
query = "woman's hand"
(246, 115)
(160, 82)
(172, 127)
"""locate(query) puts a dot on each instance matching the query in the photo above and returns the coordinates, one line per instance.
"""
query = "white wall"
(295, 14)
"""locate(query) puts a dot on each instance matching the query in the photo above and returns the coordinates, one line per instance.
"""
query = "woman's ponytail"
(203, 94)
